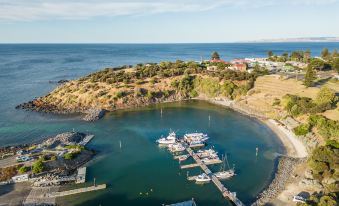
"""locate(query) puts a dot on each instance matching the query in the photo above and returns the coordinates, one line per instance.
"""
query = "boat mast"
(227, 162)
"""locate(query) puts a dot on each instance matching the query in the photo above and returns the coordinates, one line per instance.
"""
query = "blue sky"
(164, 21)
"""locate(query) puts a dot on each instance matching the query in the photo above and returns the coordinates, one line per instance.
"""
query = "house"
(212, 68)
(217, 61)
(242, 67)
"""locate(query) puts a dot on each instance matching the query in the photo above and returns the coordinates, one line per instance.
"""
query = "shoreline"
(295, 154)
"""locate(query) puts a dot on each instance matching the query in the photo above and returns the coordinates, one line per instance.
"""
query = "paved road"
(11, 161)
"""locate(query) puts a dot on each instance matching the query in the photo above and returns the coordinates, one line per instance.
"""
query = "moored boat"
(203, 178)
(170, 139)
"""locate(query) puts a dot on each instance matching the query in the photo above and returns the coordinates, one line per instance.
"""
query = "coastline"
(295, 154)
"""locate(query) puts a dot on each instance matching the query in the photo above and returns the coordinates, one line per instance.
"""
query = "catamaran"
(170, 139)
(203, 178)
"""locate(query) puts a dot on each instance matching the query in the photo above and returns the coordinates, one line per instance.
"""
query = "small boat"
(170, 139)
(176, 147)
(203, 178)
(183, 157)
(196, 143)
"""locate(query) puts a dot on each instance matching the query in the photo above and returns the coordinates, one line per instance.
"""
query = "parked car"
(298, 198)
(23, 158)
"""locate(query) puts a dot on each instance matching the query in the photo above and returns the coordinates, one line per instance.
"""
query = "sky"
(165, 21)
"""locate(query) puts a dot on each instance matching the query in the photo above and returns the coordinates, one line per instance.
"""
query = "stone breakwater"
(285, 169)
(94, 114)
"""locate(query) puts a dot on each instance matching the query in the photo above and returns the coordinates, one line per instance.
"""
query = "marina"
(203, 158)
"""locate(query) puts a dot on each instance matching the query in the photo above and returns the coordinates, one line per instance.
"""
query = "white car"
(298, 198)
(22, 158)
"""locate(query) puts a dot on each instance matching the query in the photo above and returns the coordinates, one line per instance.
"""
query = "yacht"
(207, 153)
(225, 174)
(203, 178)
(176, 147)
(170, 139)
(195, 137)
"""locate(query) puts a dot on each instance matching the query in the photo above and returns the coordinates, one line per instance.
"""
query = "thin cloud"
(30, 10)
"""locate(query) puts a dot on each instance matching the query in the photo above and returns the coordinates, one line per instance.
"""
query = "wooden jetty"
(198, 165)
(224, 191)
(77, 191)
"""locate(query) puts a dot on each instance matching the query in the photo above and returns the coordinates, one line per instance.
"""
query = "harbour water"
(139, 173)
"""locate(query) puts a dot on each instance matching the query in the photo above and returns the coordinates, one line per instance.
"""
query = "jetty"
(76, 191)
(224, 191)
(86, 140)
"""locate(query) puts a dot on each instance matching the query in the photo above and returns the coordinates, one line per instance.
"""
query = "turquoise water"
(25, 72)
(141, 167)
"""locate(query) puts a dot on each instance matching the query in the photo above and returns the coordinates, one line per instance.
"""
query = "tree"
(317, 64)
(307, 55)
(335, 64)
(215, 56)
(37, 167)
(325, 54)
(335, 54)
(309, 76)
(270, 54)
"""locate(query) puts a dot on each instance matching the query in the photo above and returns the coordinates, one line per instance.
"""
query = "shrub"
(68, 156)
(302, 129)
(23, 169)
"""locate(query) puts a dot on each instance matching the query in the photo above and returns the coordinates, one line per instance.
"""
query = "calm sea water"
(139, 166)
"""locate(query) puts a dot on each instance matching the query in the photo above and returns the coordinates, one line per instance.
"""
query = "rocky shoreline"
(286, 166)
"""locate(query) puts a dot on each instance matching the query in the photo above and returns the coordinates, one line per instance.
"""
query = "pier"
(86, 140)
(224, 191)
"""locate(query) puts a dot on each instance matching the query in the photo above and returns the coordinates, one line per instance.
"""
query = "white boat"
(190, 137)
(210, 160)
(225, 174)
(207, 153)
(170, 139)
(203, 178)
(176, 147)
(183, 157)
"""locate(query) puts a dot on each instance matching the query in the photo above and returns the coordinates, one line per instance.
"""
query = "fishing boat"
(190, 137)
(176, 147)
(203, 178)
(170, 139)
(225, 174)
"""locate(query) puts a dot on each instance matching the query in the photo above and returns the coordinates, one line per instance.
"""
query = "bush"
(68, 156)
(302, 129)
(23, 169)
